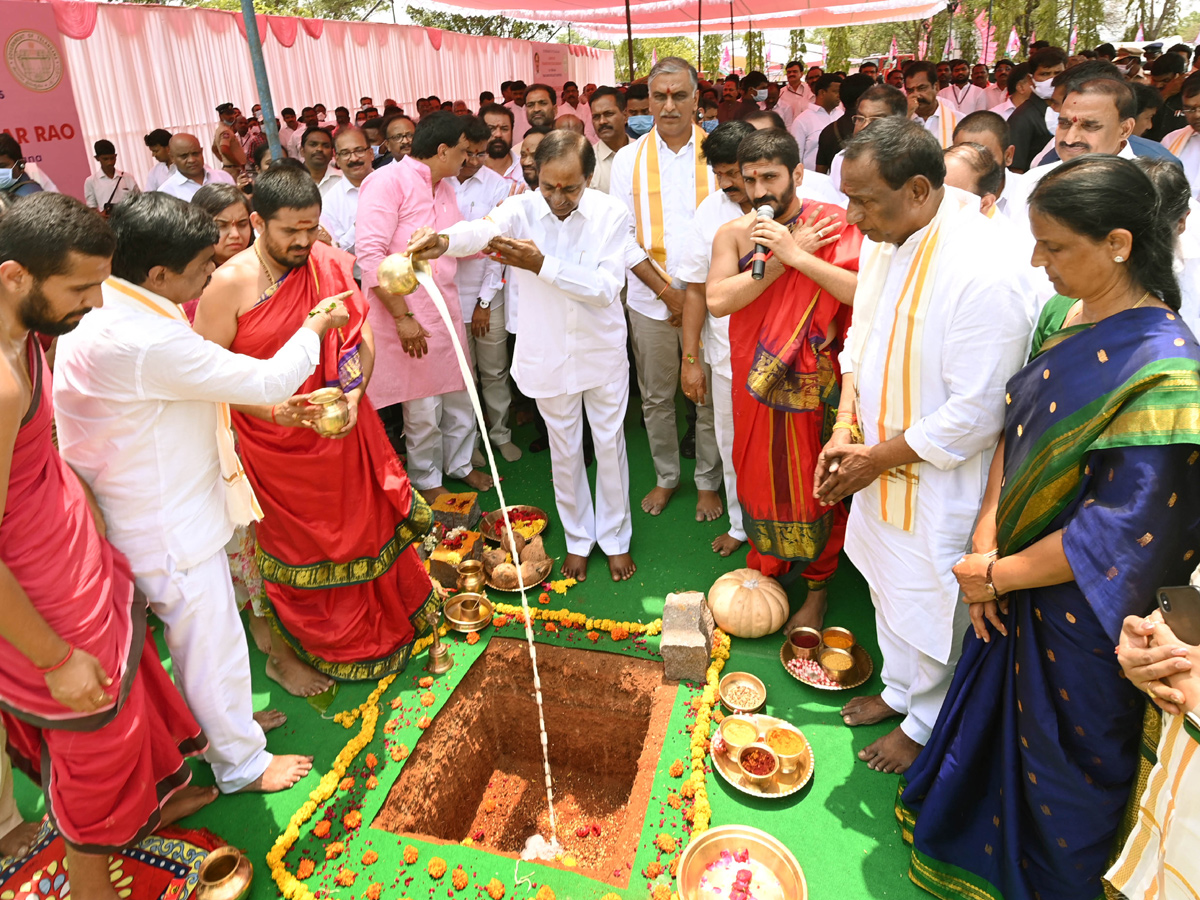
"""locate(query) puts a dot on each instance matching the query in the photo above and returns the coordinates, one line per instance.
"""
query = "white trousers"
(10, 817)
(609, 522)
(204, 633)
(439, 433)
(914, 684)
(489, 354)
(721, 389)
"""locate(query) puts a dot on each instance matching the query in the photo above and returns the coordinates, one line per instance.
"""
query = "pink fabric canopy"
(136, 68)
(650, 17)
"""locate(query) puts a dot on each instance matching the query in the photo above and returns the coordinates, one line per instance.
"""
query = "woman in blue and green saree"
(1093, 502)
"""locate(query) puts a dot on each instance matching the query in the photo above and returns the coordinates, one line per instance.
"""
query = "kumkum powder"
(784, 741)
(757, 762)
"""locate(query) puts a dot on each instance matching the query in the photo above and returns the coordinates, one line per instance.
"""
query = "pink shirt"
(393, 202)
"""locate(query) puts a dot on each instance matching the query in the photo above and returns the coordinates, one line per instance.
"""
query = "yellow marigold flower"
(459, 879)
(468, 842)
(436, 868)
(345, 877)
(410, 854)
(495, 889)
(544, 893)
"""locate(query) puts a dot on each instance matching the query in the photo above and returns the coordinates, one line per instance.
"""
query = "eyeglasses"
(864, 121)
(402, 138)
(357, 151)
(1189, 111)
(482, 154)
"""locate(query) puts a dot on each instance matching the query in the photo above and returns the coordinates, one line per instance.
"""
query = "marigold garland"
(570, 619)
(695, 784)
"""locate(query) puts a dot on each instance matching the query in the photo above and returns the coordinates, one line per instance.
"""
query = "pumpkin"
(748, 604)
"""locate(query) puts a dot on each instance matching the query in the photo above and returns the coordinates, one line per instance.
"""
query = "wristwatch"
(483, 304)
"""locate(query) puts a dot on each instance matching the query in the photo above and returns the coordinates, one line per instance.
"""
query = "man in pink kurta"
(416, 369)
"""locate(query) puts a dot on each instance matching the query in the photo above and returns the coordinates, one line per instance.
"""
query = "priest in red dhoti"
(90, 713)
(348, 595)
(785, 331)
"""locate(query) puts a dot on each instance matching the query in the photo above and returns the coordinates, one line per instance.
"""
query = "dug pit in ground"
(477, 771)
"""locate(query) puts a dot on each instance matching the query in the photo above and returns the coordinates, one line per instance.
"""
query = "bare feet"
(260, 631)
(656, 501)
(282, 772)
(575, 566)
(726, 545)
(296, 677)
(812, 613)
(621, 566)
(866, 711)
(433, 493)
(270, 719)
(892, 753)
(478, 460)
(19, 841)
(481, 481)
(89, 875)
(186, 801)
(708, 506)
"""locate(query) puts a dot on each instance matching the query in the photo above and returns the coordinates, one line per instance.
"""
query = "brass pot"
(225, 874)
(334, 415)
(471, 578)
(397, 273)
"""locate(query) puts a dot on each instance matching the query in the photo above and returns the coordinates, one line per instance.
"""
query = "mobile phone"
(1181, 612)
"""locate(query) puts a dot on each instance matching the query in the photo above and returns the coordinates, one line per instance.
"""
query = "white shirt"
(328, 182)
(286, 134)
(480, 278)
(179, 185)
(293, 142)
(807, 128)
(1187, 269)
(1018, 187)
(573, 336)
(677, 174)
(135, 400)
(339, 210)
(99, 189)
(934, 123)
(1189, 156)
(796, 102)
(994, 96)
(713, 212)
(966, 99)
(1004, 108)
(602, 177)
(835, 179)
(156, 176)
(976, 335)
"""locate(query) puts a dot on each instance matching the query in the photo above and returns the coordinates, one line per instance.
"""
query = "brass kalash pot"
(225, 874)
(397, 273)
(335, 412)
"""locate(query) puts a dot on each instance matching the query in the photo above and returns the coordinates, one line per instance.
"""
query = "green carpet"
(841, 828)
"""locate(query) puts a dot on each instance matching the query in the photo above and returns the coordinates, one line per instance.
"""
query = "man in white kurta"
(705, 334)
(1183, 141)
(481, 292)
(918, 486)
(565, 246)
(140, 402)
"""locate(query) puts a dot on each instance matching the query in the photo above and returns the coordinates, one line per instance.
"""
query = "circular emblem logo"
(33, 60)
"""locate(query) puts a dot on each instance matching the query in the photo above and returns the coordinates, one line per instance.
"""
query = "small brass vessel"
(471, 577)
(335, 413)
(397, 273)
(759, 781)
(225, 874)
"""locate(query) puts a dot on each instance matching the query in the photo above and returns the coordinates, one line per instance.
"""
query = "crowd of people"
(964, 300)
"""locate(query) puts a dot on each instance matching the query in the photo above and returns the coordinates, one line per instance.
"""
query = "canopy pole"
(732, 50)
(990, 34)
(1071, 29)
(260, 79)
(628, 38)
(699, 35)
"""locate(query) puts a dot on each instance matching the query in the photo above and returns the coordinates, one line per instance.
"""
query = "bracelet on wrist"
(273, 419)
(843, 426)
(691, 359)
(658, 296)
(58, 665)
(991, 586)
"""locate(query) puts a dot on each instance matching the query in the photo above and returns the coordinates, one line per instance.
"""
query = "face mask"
(320, 117)
(710, 125)
(1051, 120)
(639, 125)
(1044, 89)
(7, 178)
(760, 95)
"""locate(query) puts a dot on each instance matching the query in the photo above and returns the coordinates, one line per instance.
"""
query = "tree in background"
(643, 52)
(797, 46)
(491, 26)
(710, 54)
(755, 45)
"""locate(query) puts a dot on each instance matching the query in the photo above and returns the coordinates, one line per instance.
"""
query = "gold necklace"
(262, 262)
(1077, 312)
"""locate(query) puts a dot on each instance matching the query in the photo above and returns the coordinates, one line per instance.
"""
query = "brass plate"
(457, 620)
(731, 679)
(862, 665)
(783, 785)
(765, 850)
(544, 572)
(487, 525)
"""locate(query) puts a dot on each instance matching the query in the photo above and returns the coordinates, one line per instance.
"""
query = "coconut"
(534, 551)
(493, 558)
(504, 576)
(518, 542)
(531, 573)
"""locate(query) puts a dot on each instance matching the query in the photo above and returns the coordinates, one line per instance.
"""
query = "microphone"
(759, 259)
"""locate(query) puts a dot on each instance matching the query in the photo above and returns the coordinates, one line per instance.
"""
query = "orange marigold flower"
(375, 891)
(473, 638)
(352, 819)
(370, 858)
(544, 599)
(424, 722)
(489, 805)
(337, 848)
(345, 877)
(495, 889)
(674, 869)
(437, 867)
(372, 783)
(550, 626)
(347, 784)
(428, 699)
(305, 869)
(372, 761)
(459, 878)
(593, 636)
(689, 814)
(389, 726)
(653, 870)
(661, 892)
(665, 843)
(426, 682)
(410, 854)
(500, 621)
(544, 893)
(619, 634)
(400, 752)
(396, 703)
(676, 770)
(688, 790)
(321, 829)
(673, 801)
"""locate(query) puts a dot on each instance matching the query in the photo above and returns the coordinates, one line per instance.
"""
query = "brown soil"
(477, 771)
